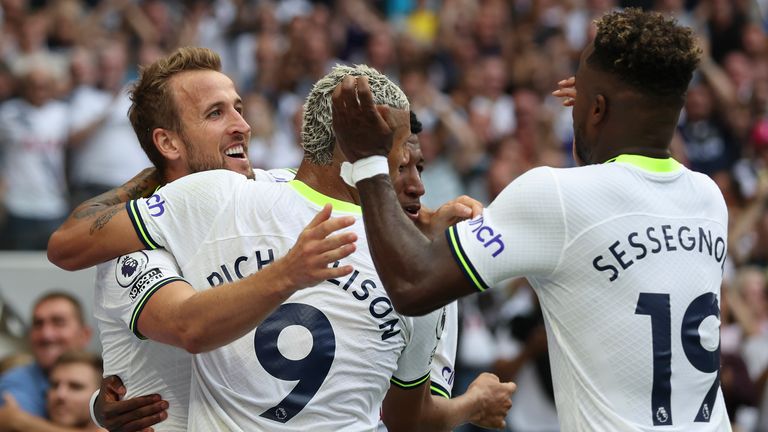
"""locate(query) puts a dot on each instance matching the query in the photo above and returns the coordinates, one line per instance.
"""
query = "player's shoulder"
(208, 182)
(276, 175)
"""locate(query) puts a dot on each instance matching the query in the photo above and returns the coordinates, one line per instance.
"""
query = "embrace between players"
(631, 354)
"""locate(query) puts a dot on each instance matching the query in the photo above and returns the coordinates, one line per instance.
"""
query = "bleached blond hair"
(317, 135)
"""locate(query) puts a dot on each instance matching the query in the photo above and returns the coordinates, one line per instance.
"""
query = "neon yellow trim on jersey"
(462, 260)
(143, 302)
(321, 200)
(409, 384)
(648, 163)
(139, 225)
(438, 390)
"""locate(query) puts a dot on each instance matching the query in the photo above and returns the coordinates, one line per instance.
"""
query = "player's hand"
(433, 223)
(309, 261)
(130, 415)
(493, 400)
(567, 91)
(363, 129)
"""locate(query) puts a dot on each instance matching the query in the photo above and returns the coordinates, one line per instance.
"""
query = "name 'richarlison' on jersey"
(637, 245)
(357, 284)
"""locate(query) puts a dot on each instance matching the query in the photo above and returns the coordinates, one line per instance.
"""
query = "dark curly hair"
(416, 126)
(646, 50)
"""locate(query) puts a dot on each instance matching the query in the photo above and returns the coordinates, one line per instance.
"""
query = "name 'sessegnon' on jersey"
(626, 259)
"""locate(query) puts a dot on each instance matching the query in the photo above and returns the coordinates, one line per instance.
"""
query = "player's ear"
(167, 143)
(598, 109)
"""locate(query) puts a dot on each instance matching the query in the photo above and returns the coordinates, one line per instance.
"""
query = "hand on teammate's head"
(363, 129)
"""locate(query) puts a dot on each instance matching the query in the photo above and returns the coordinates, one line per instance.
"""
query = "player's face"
(71, 387)
(214, 133)
(406, 178)
(55, 329)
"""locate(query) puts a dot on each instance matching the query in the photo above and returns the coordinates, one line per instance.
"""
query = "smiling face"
(213, 132)
(56, 328)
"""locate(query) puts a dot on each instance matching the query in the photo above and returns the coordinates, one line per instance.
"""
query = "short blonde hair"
(317, 135)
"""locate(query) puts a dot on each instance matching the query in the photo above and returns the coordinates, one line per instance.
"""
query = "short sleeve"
(413, 365)
(136, 277)
(180, 215)
(522, 233)
(443, 363)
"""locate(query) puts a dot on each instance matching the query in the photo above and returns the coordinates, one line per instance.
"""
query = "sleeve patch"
(129, 267)
(454, 244)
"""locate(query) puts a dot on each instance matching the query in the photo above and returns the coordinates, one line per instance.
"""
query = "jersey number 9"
(310, 371)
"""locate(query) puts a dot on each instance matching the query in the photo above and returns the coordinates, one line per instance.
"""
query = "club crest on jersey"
(129, 267)
(661, 415)
(280, 413)
(487, 236)
(156, 205)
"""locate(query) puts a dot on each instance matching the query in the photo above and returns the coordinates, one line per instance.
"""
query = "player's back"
(632, 307)
(323, 360)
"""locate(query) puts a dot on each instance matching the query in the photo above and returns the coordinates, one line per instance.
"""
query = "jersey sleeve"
(443, 363)
(522, 232)
(136, 277)
(413, 365)
(179, 216)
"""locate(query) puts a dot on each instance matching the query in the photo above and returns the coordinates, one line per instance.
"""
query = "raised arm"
(420, 275)
(99, 229)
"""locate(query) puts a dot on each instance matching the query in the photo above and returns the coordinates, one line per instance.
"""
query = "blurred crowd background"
(479, 75)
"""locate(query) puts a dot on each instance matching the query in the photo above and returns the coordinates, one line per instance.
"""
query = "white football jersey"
(626, 258)
(123, 287)
(324, 359)
(444, 361)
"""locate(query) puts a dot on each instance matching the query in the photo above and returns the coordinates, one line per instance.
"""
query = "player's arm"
(99, 229)
(485, 404)
(413, 408)
(419, 275)
(129, 415)
(199, 321)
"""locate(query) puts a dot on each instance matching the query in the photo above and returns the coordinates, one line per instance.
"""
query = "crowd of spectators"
(479, 75)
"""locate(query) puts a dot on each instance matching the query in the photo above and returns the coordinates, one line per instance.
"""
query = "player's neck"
(327, 180)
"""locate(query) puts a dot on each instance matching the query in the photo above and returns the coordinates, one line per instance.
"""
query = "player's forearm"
(215, 317)
(85, 238)
(402, 254)
(443, 414)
